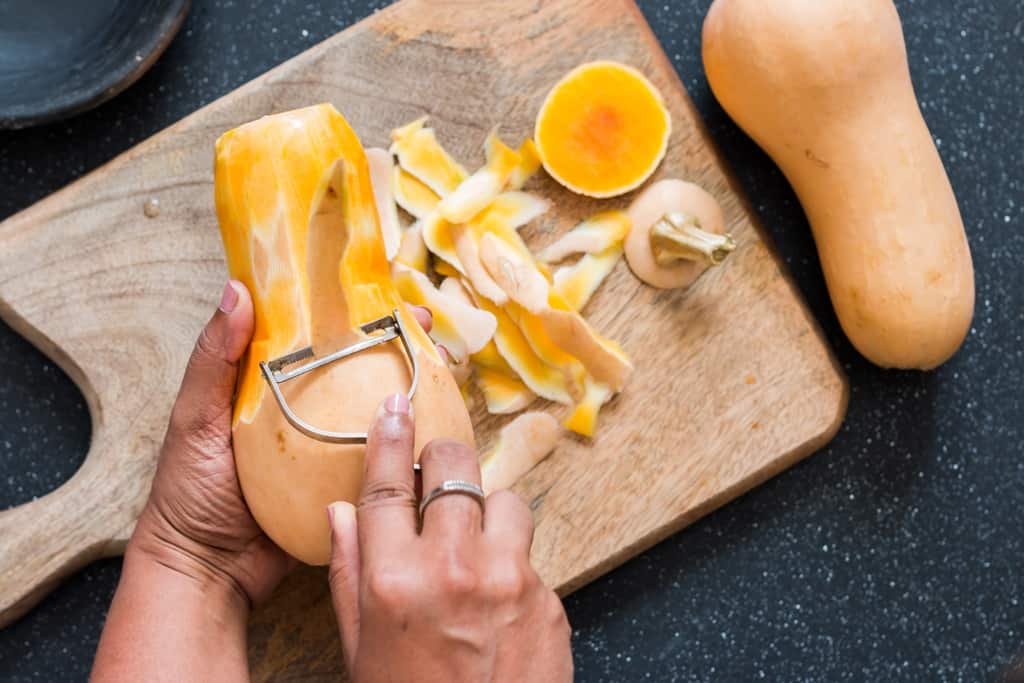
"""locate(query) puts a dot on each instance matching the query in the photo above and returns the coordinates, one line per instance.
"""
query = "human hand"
(196, 521)
(197, 559)
(455, 600)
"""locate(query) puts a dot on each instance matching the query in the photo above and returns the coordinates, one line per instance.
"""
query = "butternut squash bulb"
(301, 230)
(824, 88)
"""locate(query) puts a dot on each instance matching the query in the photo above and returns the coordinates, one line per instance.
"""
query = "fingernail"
(330, 514)
(229, 298)
(449, 357)
(397, 404)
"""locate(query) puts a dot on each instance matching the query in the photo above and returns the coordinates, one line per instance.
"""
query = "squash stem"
(678, 236)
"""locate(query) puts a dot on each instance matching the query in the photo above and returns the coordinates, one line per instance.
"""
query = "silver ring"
(450, 486)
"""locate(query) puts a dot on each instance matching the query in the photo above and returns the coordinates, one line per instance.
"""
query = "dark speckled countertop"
(897, 553)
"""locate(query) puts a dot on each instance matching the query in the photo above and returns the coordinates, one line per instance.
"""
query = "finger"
(454, 516)
(344, 575)
(508, 526)
(387, 503)
(203, 407)
(423, 316)
(459, 367)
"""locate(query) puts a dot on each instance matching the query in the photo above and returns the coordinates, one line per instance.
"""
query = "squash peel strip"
(412, 195)
(598, 233)
(503, 393)
(478, 190)
(542, 379)
(522, 444)
(578, 282)
(420, 154)
(462, 328)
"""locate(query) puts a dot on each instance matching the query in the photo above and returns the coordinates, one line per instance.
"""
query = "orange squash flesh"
(602, 130)
(300, 229)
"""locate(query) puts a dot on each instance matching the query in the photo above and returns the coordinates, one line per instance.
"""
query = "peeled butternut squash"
(824, 88)
(301, 230)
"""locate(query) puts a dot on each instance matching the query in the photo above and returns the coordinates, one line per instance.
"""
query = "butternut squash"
(824, 88)
(301, 230)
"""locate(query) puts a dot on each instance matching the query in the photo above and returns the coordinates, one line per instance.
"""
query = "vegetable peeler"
(383, 330)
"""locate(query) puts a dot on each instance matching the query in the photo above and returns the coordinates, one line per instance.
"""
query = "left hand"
(197, 560)
(196, 521)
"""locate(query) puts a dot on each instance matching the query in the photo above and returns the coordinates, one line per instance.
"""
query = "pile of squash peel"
(510, 320)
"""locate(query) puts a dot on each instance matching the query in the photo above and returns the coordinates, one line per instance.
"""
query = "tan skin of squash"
(824, 88)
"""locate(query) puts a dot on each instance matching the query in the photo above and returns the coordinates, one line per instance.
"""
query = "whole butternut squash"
(301, 230)
(824, 88)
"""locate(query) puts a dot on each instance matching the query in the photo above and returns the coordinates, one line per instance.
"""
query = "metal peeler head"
(382, 331)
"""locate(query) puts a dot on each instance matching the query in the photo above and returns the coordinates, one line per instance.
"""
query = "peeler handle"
(46, 539)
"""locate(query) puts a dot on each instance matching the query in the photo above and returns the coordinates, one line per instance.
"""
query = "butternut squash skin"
(303, 234)
(823, 86)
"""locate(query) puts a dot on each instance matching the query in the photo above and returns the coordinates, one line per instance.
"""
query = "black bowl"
(61, 57)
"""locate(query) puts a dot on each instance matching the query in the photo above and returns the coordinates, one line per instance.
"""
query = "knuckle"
(199, 421)
(447, 453)
(392, 433)
(389, 590)
(387, 493)
(207, 349)
(556, 614)
(509, 584)
(459, 580)
(512, 504)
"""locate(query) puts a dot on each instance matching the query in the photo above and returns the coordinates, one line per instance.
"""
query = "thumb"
(204, 400)
(344, 576)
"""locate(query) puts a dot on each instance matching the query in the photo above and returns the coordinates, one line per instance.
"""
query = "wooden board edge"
(65, 362)
(726, 495)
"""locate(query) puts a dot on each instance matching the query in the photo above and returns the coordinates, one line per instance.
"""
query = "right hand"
(455, 601)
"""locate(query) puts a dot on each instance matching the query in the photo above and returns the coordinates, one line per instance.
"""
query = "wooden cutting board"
(733, 381)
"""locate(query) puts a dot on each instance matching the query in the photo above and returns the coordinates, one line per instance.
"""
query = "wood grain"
(733, 383)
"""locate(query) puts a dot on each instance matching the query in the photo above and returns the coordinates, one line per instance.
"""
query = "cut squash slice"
(603, 129)
(451, 286)
(420, 154)
(596, 234)
(522, 444)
